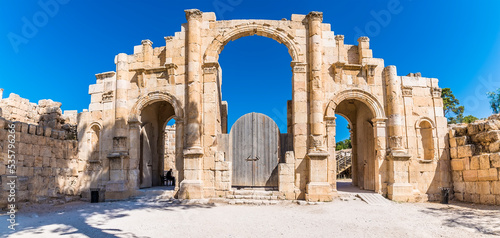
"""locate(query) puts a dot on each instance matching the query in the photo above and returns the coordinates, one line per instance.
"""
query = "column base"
(319, 192)
(191, 189)
(400, 192)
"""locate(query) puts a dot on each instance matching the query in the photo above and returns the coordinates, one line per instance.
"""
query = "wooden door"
(255, 146)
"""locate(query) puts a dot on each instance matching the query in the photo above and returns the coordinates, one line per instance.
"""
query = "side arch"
(277, 34)
(371, 101)
(153, 97)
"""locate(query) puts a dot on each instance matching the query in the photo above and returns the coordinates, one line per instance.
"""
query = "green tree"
(469, 119)
(495, 101)
(345, 144)
(452, 109)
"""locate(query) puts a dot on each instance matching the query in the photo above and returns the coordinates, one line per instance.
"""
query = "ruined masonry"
(398, 130)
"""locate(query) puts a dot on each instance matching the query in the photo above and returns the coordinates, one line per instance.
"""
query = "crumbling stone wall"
(475, 164)
(48, 169)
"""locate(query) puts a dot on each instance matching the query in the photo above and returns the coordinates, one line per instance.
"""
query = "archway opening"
(362, 170)
(257, 78)
(154, 120)
(257, 86)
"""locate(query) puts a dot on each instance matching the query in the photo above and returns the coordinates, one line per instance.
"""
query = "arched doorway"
(362, 141)
(366, 120)
(153, 144)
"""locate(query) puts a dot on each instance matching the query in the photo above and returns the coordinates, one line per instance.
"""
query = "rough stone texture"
(48, 167)
(476, 162)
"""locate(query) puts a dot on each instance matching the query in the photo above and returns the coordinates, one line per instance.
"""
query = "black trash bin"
(445, 195)
(94, 196)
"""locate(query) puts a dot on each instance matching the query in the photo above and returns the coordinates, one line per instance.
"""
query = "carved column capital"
(298, 67)
(193, 14)
(315, 16)
(210, 67)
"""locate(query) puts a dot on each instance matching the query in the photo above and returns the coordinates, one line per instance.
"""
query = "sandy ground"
(351, 218)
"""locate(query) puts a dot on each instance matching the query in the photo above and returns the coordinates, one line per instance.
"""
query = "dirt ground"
(168, 218)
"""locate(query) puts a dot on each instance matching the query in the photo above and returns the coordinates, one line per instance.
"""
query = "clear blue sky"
(457, 42)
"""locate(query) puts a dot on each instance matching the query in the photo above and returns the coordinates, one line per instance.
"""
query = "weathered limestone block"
(487, 174)
(466, 151)
(470, 175)
(474, 162)
(454, 153)
(495, 147)
(487, 199)
(484, 161)
(495, 160)
(459, 187)
(495, 187)
(458, 164)
(472, 129)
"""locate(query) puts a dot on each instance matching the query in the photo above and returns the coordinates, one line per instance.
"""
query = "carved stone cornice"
(193, 14)
(315, 16)
(363, 39)
(407, 91)
(105, 75)
(210, 67)
(146, 42)
(171, 67)
(436, 92)
(298, 67)
(339, 37)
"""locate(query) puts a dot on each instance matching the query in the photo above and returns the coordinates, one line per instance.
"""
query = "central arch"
(265, 30)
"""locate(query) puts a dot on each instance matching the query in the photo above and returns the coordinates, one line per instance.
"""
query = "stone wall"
(475, 164)
(46, 113)
(48, 168)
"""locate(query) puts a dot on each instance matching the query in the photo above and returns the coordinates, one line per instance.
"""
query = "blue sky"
(457, 42)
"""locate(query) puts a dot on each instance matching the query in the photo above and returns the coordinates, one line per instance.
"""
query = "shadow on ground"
(482, 219)
(87, 219)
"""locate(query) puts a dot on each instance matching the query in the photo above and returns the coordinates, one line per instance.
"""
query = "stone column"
(398, 188)
(316, 94)
(354, 158)
(192, 186)
(331, 146)
(134, 154)
(379, 131)
(121, 111)
(318, 188)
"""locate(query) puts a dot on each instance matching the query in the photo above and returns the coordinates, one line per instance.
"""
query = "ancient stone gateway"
(397, 123)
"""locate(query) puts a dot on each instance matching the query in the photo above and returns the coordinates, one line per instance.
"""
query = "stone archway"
(148, 119)
(277, 34)
(366, 118)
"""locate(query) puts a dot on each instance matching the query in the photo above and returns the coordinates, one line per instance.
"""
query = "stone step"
(252, 202)
(156, 193)
(247, 192)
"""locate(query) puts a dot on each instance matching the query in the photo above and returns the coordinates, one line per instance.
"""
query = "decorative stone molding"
(147, 42)
(105, 75)
(396, 142)
(168, 38)
(194, 14)
(107, 96)
(363, 39)
(298, 67)
(436, 92)
(339, 38)
(210, 67)
(407, 91)
(315, 16)
(370, 72)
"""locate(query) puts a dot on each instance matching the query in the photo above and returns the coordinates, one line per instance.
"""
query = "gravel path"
(350, 218)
